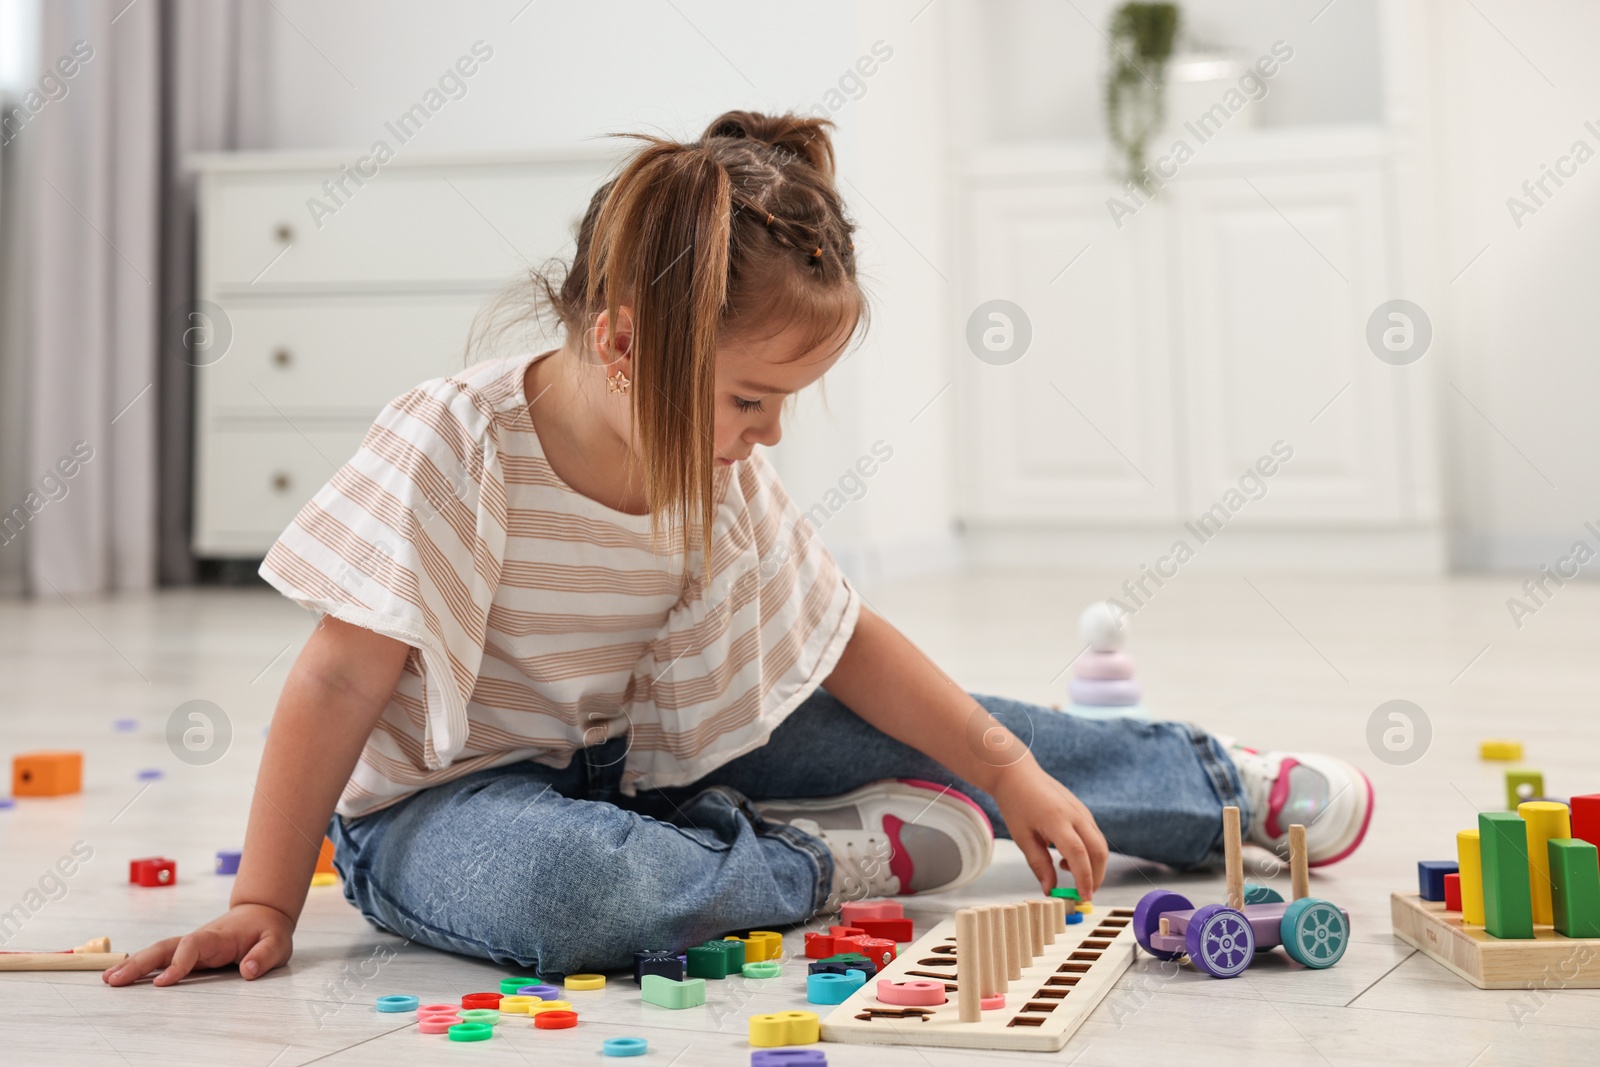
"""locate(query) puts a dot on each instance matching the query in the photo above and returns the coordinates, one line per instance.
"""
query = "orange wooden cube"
(46, 774)
(325, 858)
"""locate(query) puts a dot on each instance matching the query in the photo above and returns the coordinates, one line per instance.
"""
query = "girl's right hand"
(255, 936)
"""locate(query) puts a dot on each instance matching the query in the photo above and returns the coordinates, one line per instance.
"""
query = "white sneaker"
(1329, 797)
(894, 838)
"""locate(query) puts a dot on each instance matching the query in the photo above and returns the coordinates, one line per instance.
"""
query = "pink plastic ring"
(992, 1003)
(921, 993)
(439, 1009)
(437, 1024)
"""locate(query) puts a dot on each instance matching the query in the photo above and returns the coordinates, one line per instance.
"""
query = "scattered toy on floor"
(1507, 751)
(153, 871)
(47, 774)
(1223, 939)
(1523, 903)
(93, 955)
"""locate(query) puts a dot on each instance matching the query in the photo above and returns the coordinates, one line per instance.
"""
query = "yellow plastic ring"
(585, 981)
(549, 1005)
(517, 1005)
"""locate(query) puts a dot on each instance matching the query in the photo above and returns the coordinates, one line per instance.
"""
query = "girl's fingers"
(1037, 853)
(1075, 857)
(200, 947)
(271, 951)
(140, 963)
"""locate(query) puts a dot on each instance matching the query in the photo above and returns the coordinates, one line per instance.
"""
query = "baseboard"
(1411, 551)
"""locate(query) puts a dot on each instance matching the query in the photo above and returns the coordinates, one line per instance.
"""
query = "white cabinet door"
(1276, 276)
(1081, 426)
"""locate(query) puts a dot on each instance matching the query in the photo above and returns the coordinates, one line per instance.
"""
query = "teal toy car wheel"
(1314, 932)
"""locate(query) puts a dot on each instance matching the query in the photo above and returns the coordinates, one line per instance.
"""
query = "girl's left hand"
(1040, 813)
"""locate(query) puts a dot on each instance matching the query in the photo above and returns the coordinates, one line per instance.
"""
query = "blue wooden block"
(829, 988)
(663, 964)
(1430, 877)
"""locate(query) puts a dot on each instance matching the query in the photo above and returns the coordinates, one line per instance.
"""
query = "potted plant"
(1141, 41)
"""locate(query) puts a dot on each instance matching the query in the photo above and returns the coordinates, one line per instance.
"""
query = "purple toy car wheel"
(1220, 941)
(1147, 918)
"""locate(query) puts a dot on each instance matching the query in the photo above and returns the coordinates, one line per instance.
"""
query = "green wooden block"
(1520, 782)
(732, 951)
(1575, 886)
(1065, 891)
(1507, 899)
(669, 994)
(708, 961)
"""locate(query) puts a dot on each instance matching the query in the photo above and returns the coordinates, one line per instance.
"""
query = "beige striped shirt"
(541, 621)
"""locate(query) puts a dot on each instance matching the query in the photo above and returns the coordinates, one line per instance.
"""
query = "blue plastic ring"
(625, 1046)
(397, 1003)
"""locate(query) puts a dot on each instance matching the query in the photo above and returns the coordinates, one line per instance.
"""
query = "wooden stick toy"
(93, 955)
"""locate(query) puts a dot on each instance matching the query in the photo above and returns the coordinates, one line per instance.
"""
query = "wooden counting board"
(1546, 960)
(1057, 990)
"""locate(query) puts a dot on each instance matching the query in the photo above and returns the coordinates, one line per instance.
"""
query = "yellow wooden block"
(785, 1028)
(1500, 750)
(324, 878)
(760, 945)
(1546, 819)
(1469, 861)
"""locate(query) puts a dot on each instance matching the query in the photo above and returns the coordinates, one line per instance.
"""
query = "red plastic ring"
(481, 1000)
(555, 1020)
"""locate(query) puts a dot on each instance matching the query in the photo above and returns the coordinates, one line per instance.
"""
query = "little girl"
(583, 681)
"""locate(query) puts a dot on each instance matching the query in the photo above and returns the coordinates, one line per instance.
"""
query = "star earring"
(618, 383)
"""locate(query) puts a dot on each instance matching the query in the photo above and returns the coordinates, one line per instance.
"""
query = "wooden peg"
(996, 957)
(1025, 934)
(1013, 935)
(1233, 856)
(969, 966)
(1044, 923)
(1299, 876)
(1164, 924)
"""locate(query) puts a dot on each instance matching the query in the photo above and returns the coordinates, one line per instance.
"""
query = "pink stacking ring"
(1104, 666)
(992, 1003)
(439, 1009)
(437, 1024)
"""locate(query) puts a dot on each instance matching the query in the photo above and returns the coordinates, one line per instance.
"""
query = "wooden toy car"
(1222, 939)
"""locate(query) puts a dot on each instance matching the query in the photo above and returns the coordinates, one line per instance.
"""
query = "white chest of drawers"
(316, 319)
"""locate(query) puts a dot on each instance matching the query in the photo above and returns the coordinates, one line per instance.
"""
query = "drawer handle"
(281, 357)
(281, 481)
(284, 233)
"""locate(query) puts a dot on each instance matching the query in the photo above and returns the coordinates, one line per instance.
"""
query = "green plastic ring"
(762, 969)
(471, 1032)
(508, 986)
(485, 1016)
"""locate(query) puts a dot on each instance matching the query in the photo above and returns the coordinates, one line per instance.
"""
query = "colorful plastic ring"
(991, 1003)
(514, 984)
(486, 1016)
(549, 1005)
(398, 1002)
(439, 1009)
(517, 1005)
(555, 1020)
(543, 992)
(624, 1046)
(585, 981)
(762, 969)
(471, 1032)
(920, 993)
(438, 1024)
(481, 1000)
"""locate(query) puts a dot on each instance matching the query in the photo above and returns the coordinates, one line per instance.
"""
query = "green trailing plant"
(1141, 41)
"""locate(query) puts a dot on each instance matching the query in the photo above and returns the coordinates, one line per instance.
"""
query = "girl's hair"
(738, 234)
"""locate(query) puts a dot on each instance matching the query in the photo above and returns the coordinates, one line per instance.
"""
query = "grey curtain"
(109, 255)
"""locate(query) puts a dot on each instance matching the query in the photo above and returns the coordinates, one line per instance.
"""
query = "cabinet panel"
(253, 476)
(346, 355)
(1276, 276)
(463, 225)
(1081, 426)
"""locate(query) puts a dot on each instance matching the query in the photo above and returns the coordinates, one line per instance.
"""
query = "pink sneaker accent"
(900, 864)
(1279, 796)
(1372, 802)
(951, 791)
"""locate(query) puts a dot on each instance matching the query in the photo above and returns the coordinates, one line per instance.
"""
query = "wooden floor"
(1282, 662)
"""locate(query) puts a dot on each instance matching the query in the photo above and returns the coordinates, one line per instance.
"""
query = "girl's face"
(753, 378)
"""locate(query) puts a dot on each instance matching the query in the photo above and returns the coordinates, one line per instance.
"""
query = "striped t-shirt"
(541, 621)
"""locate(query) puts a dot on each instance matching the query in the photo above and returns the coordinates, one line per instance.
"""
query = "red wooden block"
(888, 929)
(1452, 892)
(877, 949)
(853, 943)
(153, 871)
(1586, 817)
(819, 946)
(846, 931)
(857, 910)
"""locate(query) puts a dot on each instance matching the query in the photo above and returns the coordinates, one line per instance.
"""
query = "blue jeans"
(555, 871)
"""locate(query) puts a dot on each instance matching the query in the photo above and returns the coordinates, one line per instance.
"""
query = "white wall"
(1518, 327)
(562, 73)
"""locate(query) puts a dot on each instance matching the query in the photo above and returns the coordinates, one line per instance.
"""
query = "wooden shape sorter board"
(1044, 1008)
(1546, 960)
